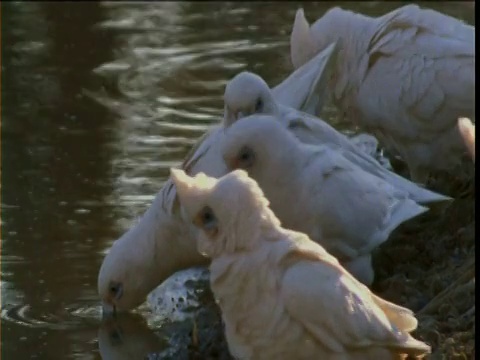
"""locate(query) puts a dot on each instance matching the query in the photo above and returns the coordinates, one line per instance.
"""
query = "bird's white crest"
(235, 189)
(185, 184)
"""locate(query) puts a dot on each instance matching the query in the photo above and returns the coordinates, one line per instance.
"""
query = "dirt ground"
(428, 265)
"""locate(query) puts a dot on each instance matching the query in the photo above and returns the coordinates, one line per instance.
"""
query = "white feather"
(316, 190)
(246, 89)
(162, 241)
(281, 295)
(405, 76)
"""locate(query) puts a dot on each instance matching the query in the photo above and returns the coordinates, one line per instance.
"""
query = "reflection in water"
(75, 175)
(127, 337)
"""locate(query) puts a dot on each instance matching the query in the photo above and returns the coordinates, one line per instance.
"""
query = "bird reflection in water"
(127, 336)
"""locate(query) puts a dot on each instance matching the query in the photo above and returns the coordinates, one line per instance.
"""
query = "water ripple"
(71, 317)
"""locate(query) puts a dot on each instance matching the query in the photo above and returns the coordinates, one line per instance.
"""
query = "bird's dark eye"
(246, 157)
(259, 105)
(207, 216)
(207, 221)
(116, 289)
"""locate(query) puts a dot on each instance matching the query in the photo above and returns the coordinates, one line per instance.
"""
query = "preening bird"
(406, 77)
(281, 295)
(316, 190)
(161, 242)
(247, 93)
(467, 129)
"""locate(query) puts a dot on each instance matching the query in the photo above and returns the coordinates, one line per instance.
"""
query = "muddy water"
(77, 171)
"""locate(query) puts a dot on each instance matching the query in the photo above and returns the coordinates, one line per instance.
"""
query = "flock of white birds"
(286, 210)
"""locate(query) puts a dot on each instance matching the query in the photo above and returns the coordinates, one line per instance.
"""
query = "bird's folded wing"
(412, 16)
(314, 131)
(357, 210)
(334, 309)
(425, 61)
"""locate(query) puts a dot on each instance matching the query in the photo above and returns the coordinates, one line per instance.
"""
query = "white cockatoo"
(161, 242)
(467, 129)
(406, 77)
(281, 295)
(247, 93)
(316, 190)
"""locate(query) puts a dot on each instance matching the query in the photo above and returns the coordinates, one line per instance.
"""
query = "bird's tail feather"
(416, 192)
(401, 317)
(404, 320)
(403, 210)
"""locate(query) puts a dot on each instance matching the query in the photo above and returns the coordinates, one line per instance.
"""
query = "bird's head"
(247, 94)
(226, 210)
(157, 246)
(260, 145)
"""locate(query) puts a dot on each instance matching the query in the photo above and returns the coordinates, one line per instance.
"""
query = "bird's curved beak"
(108, 310)
(231, 116)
